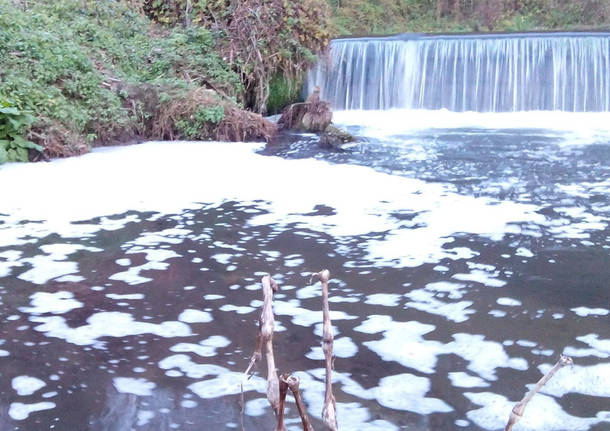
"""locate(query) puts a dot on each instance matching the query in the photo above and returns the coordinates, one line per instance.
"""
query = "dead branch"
(292, 382)
(283, 392)
(517, 412)
(266, 324)
(329, 411)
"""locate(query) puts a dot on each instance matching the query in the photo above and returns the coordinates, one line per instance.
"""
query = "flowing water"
(483, 73)
(467, 251)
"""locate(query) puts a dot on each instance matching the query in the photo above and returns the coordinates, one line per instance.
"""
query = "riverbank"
(75, 75)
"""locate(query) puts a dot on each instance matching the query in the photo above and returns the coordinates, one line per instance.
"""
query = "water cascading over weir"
(483, 73)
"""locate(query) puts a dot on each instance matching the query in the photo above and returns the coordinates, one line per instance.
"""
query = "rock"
(334, 138)
(312, 116)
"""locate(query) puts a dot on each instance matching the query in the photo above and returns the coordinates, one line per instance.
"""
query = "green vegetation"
(13, 124)
(360, 17)
(94, 72)
(282, 92)
(261, 39)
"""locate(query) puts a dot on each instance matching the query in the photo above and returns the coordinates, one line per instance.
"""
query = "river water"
(467, 252)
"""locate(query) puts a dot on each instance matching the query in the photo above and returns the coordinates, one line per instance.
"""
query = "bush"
(13, 124)
(70, 62)
(260, 38)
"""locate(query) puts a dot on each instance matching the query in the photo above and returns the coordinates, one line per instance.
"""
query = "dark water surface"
(463, 262)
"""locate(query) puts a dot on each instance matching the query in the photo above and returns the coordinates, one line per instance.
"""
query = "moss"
(282, 92)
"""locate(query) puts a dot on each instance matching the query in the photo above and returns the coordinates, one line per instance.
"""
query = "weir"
(483, 73)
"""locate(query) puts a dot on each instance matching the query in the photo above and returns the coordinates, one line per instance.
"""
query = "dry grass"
(241, 125)
(237, 124)
(57, 140)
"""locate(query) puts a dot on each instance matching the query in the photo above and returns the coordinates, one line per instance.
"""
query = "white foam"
(404, 343)
(385, 299)
(509, 302)
(188, 404)
(205, 348)
(257, 407)
(225, 165)
(424, 300)
(26, 385)
(483, 277)
(20, 411)
(586, 311)
(52, 264)
(577, 128)
(144, 417)
(239, 309)
(195, 316)
(591, 380)
(543, 413)
(304, 317)
(55, 303)
(407, 392)
(343, 347)
(129, 385)
(601, 345)
(128, 296)
(106, 324)
(524, 252)
(9, 259)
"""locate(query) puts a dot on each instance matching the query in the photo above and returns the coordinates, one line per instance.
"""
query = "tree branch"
(517, 412)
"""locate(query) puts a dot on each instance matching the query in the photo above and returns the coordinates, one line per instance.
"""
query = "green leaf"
(9, 110)
(32, 146)
(17, 155)
(3, 155)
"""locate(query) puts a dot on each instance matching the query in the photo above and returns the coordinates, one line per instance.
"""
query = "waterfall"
(483, 73)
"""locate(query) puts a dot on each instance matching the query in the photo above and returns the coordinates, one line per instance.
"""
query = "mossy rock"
(334, 138)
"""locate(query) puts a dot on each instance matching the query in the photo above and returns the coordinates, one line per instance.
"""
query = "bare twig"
(283, 392)
(267, 326)
(517, 413)
(329, 411)
(265, 338)
(187, 14)
(293, 383)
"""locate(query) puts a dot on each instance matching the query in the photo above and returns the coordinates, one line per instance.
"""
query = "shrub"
(259, 38)
(13, 125)
(72, 62)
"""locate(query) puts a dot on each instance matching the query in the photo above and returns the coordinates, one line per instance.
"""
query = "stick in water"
(283, 392)
(329, 411)
(265, 338)
(292, 382)
(517, 413)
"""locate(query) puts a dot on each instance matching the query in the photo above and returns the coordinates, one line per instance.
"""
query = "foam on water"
(378, 196)
(364, 203)
(129, 385)
(576, 128)
(21, 411)
(404, 343)
(54, 303)
(106, 324)
(26, 385)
